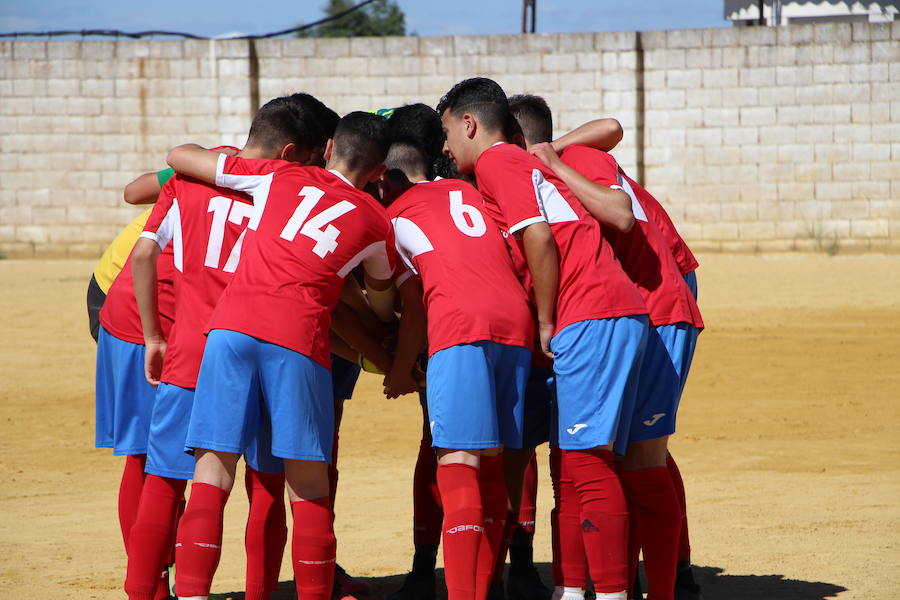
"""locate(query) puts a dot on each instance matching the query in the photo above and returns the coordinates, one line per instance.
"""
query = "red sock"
(428, 514)
(313, 548)
(266, 532)
(657, 515)
(130, 493)
(604, 516)
(199, 545)
(528, 507)
(634, 546)
(494, 503)
(570, 564)
(152, 535)
(684, 540)
(509, 528)
(463, 527)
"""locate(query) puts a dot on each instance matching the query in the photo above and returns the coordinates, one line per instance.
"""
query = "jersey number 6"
(467, 218)
(319, 228)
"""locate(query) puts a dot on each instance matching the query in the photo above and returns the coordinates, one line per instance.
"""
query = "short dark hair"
(534, 117)
(420, 125)
(291, 119)
(407, 157)
(480, 96)
(361, 140)
(326, 118)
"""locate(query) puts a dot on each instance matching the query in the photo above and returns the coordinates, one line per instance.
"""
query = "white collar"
(341, 175)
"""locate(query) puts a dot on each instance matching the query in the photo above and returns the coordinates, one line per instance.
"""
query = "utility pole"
(528, 25)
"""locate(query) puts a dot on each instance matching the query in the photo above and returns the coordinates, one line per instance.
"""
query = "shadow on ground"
(715, 583)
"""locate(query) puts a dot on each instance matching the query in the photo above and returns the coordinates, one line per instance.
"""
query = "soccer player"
(675, 322)
(124, 399)
(591, 319)
(267, 355)
(479, 355)
(207, 227)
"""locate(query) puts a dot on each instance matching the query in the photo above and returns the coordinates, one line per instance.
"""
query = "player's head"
(473, 111)
(360, 145)
(534, 117)
(289, 128)
(326, 118)
(406, 163)
(420, 125)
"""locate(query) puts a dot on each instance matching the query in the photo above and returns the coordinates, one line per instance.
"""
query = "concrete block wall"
(755, 139)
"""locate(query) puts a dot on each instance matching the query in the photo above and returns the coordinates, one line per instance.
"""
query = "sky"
(423, 17)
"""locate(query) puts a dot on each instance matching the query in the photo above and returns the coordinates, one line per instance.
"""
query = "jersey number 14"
(318, 228)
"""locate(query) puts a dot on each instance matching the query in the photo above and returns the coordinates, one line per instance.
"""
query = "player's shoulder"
(588, 156)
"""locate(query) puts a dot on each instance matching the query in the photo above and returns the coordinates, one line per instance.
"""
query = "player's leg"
(298, 401)
(428, 515)
(199, 543)
(597, 364)
(463, 417)
(266, 532)
(570, 564)
(168, 469)
(654, 505)
(225, 418)
(344, 375)
(524, 582)
(685, 586)
(510, 366)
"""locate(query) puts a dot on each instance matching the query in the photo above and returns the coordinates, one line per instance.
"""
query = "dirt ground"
(789, 442)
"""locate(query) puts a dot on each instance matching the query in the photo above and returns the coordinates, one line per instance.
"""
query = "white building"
(784, 12)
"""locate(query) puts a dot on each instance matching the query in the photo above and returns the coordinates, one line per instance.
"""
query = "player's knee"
(647, 454)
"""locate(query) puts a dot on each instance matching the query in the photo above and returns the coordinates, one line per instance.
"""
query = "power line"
(190, 36)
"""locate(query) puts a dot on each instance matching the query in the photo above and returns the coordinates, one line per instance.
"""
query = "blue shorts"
(258, 455)
(476, 395)
(691, 280)
(168, 430)
(667, 360)
(343, 377)
(243, 381)
(597, 363)
(124, 398)
(539, 392)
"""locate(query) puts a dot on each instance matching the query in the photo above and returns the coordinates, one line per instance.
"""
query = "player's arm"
(346, 323)
(143, 269)
(602, 134)
(381, 295)
(194, 161)
(609, 206)
(353, 296)
(145, 188)
(400, 379)
(543, 262)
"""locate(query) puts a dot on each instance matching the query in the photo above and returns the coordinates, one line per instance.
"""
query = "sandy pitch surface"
(789, 442)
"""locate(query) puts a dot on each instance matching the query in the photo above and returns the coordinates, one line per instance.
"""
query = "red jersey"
(119, 315)
(206, 225)
(315, 227)
(686, 260)
(519, 191)
(471, 289)
(643, 251)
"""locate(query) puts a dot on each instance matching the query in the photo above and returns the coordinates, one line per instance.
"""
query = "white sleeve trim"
(220, 170)
(410, 240)
(523, 224)
(636, 208)
(375, 260)
(151, 236)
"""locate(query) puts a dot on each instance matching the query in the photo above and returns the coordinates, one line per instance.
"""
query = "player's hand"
(397, 384)
(153, 361)
(545, 332)
(545, 152)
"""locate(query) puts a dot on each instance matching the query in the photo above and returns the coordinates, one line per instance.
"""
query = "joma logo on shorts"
(462, 528)
(652, 420)
(578, 427)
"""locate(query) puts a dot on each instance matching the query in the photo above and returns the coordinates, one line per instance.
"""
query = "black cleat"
(524, 583)
(415, 588)
(685, 586)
